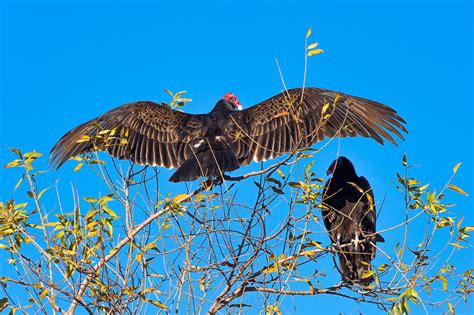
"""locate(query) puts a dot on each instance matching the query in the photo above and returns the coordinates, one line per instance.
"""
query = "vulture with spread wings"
(228, 137)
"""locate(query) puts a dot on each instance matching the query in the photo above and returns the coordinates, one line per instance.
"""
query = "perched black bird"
(350, 219)
(228, 137)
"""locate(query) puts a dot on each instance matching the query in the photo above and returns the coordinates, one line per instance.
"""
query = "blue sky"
(63, 63)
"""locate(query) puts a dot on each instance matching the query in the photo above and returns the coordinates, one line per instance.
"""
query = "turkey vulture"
(228, 137)
(350, 219)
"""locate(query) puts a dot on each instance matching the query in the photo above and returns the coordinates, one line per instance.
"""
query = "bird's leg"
(356, 241)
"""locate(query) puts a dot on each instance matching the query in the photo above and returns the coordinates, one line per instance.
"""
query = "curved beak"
(331, 168)
(329, 171)
(239, 107)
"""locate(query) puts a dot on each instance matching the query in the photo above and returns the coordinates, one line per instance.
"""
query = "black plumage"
(227, 138)
(349, 215)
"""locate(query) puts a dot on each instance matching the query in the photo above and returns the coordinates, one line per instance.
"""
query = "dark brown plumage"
(350, 219)
(225, 139)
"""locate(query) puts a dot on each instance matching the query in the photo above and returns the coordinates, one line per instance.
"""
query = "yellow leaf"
(78, 167)
(468, 229)
(165, 226)
(14, 163)
(457, 189)
(455, 168)
(308, 33)
(444, 282)
(312, 46)
(202, 282)
(315, 52)
(451, 308)
(382, 267)
(274, 268)
(32, 155)
(43, 294)
(149, 246)
(280, 173)
(325, 108)
(42, 192)
(367, 274)
(158, 304)
(84, 138)
(180, 198)
(456, 245)
(272, 309)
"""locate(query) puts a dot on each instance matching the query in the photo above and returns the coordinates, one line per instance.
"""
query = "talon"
(356, 242)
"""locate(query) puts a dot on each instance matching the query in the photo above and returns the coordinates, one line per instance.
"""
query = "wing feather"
(318, 114)
(157, 135)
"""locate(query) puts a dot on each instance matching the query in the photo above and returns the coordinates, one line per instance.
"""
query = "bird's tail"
(355, 267)
(356, 262)
(206, 163)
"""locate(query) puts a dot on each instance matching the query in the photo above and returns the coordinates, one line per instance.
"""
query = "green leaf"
(312, 46)
(404, 159)
(457, 189)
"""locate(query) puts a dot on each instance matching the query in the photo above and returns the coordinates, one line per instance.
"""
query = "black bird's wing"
(294, 120)
(332, 203)
(154, 135)
(368, 221)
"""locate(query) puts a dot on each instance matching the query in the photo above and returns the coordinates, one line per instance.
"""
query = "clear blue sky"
(63, 63)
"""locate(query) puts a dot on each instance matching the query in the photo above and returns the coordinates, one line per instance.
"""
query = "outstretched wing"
(297, 118)
(143, 132)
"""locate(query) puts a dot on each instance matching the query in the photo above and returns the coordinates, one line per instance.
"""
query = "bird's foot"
(356, 242)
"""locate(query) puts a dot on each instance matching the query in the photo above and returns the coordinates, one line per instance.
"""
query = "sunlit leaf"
(457, 189)
(280, 173)
(455, 168)
(42, 192)
(451, 308)
(78, 167)
(315, 52)
(367, 274)
(308, 33)
(179, 198)
(158, 304)
(272, 309)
